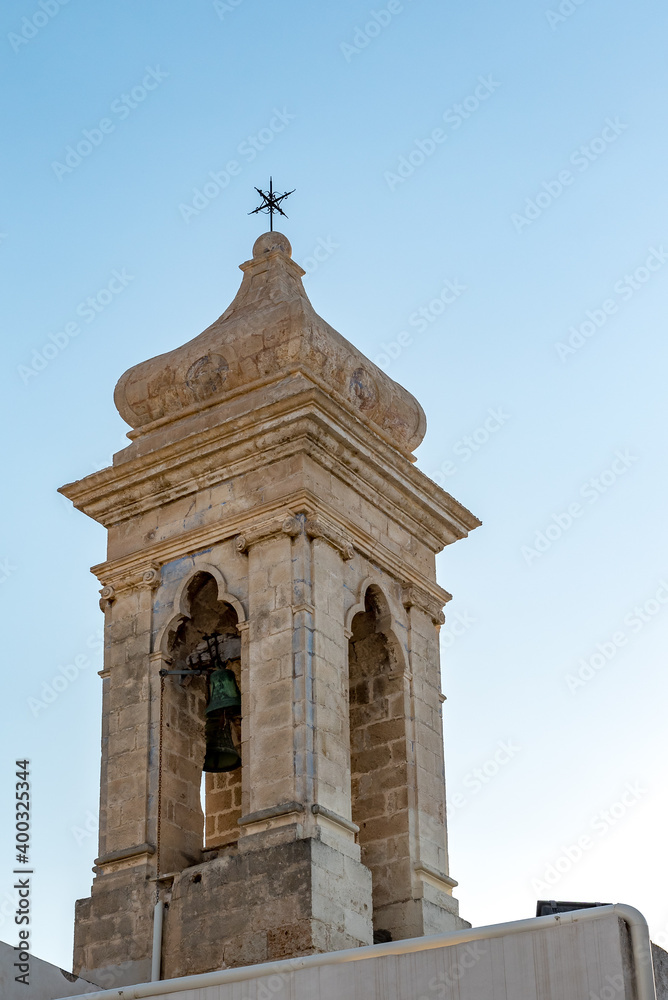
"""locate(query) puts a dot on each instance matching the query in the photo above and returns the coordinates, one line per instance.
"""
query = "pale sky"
(481, 206)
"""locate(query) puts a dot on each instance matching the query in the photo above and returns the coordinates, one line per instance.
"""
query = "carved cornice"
(307, 423)
(333, 817)
(273, 812)
(196, 540)
(414, 596)
(129, 853)
(439, 879)
(317, 528)
(136, 577)
(289, 525)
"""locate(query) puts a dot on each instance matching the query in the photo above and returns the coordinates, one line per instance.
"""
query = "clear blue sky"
(517, 156)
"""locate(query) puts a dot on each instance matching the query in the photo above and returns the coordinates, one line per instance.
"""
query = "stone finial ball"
(271, 241)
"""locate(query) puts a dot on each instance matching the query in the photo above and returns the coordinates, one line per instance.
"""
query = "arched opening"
(207, 805)
(379, 778)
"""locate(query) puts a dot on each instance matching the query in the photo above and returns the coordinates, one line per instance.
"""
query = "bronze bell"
(224, 692)
(221, 753)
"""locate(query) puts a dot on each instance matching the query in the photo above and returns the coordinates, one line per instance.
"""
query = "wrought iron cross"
(271, 202)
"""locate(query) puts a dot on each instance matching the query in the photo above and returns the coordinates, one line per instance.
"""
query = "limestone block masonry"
(269, 493)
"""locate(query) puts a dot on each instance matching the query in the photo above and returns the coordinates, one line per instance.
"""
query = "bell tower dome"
(271, 615)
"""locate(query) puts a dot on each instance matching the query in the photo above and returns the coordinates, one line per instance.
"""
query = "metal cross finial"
(271, 202)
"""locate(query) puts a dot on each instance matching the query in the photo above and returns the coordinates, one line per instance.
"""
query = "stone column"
(126, 746)
(273, 783)
(119, 909)
(434, 910)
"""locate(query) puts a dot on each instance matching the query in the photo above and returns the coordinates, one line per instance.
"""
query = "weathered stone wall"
(114, 928)
(223, 808)
(305, 738)
(289, 899)
(378, 755)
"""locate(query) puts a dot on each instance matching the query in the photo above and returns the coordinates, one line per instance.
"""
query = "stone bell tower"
(269, 498)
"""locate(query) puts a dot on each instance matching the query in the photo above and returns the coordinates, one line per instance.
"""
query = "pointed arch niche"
(204, 608)
(378, 753)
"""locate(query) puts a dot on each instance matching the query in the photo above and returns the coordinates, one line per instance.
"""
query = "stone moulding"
(274, 812)
(289, 525)
(443, 882)
(317, 528)
(313, 527)
(127, 854)
(129, 571)
(312, 426)
(426, 601)
(333, 817)
(133, 577)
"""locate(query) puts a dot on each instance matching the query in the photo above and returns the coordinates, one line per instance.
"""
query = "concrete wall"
(574, 957)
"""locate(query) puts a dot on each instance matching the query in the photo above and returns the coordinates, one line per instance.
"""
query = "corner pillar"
(433, 909)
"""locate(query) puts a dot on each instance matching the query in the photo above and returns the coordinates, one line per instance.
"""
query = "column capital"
(413, 596)
(146, 576)
(316, 527)
(289, 525)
